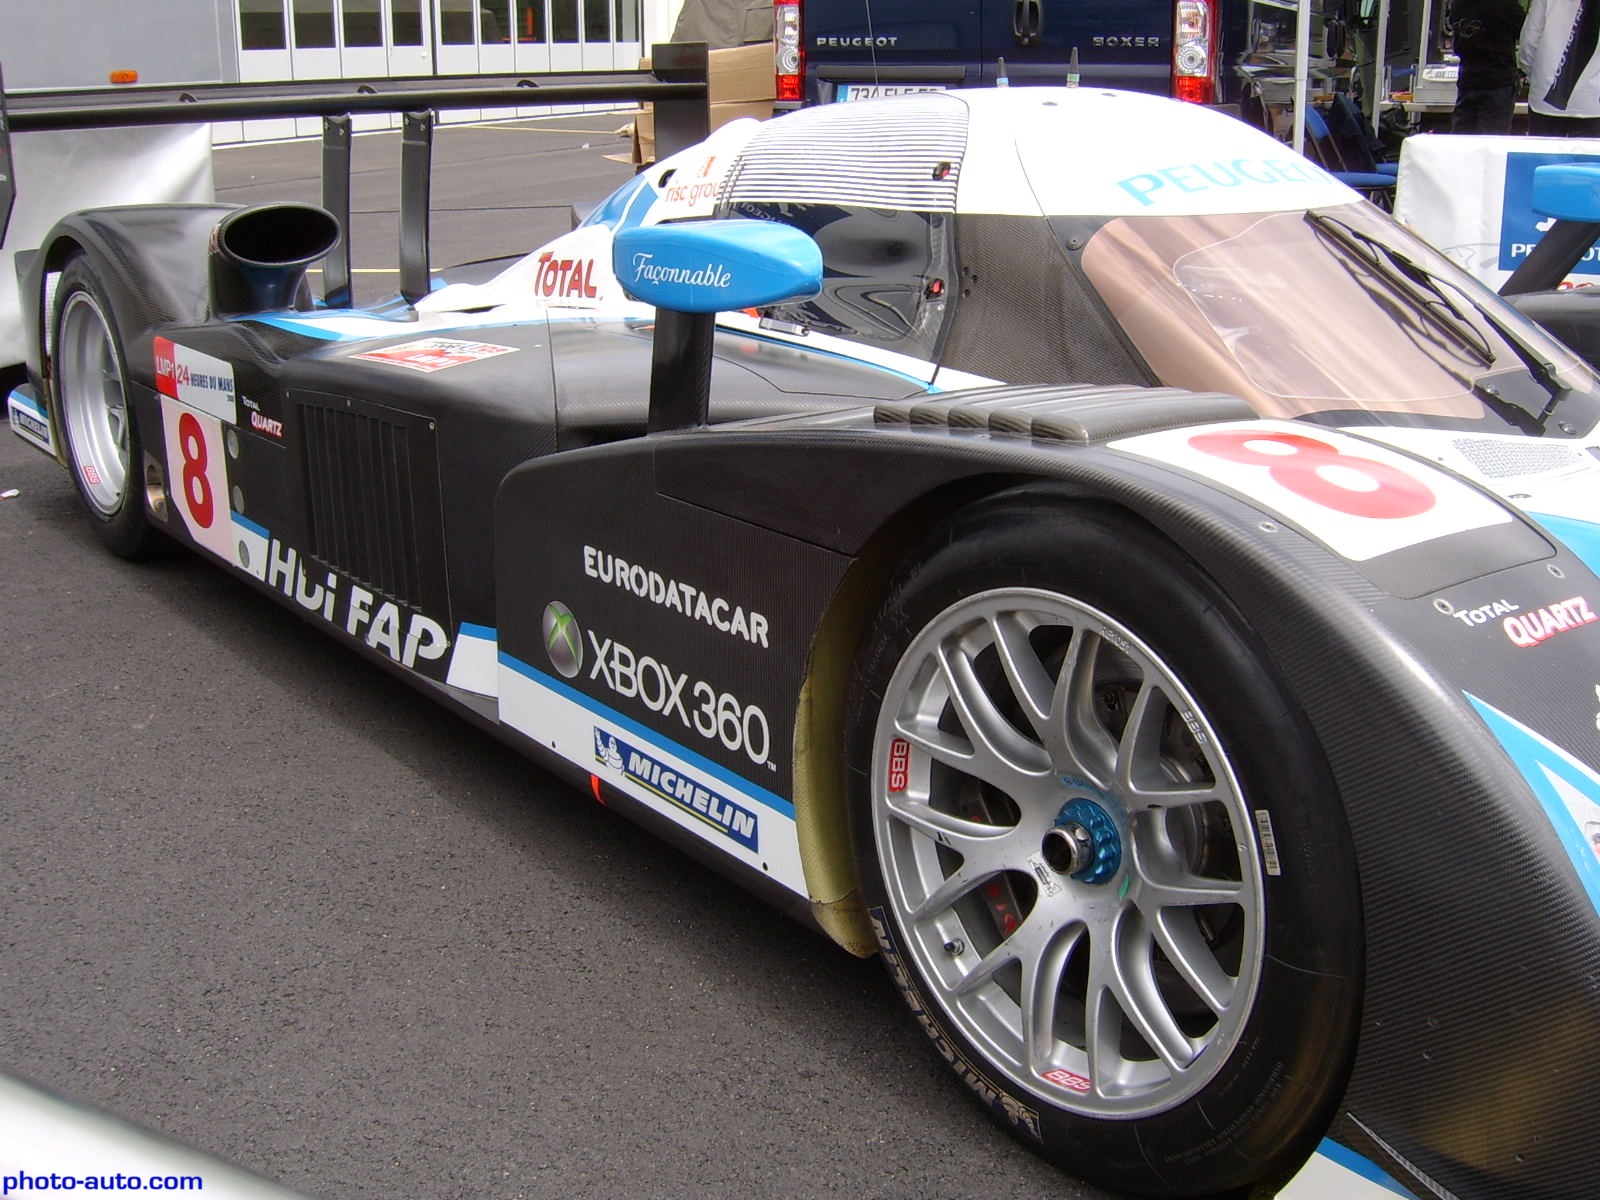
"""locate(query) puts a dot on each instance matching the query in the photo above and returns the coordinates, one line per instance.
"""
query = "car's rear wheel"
(1102, 852)
(95, 407)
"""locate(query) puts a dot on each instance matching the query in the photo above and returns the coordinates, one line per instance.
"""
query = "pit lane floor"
(258, 895)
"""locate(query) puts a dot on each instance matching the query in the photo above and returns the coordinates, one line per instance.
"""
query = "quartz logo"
(563, 640)
(1542, 624)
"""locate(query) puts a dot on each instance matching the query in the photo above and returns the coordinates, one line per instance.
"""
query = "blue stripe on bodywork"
(618, 210)
(258, 530)
(1581, 537)
(1358, 1164)
(1547, 767)
(650, 736)
(308, 327)
(22, 396)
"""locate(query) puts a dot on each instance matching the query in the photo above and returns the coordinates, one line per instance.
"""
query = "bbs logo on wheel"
(563, 640)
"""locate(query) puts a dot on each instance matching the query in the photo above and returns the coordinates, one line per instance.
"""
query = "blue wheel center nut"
(1084, 843)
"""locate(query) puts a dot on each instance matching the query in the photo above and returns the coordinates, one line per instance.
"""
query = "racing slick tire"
(94, 404)
(1102, 853)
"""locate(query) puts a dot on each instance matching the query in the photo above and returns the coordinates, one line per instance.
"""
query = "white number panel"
(197, 475)
(1359, 498)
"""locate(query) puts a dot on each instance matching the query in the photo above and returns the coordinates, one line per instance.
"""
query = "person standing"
(1559, 48)
(1486, 43)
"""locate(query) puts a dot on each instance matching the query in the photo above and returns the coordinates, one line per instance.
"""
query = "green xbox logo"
(563, 640)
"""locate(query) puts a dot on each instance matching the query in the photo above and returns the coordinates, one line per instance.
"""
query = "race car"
(1056, 540)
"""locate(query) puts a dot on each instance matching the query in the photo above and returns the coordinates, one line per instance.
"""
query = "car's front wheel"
(1102, 853)
(94, 405)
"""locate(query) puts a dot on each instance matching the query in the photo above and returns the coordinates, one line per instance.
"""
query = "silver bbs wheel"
(94, 405)
(1066, 849)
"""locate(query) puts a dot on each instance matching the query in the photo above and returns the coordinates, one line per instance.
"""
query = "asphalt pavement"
(258, 895)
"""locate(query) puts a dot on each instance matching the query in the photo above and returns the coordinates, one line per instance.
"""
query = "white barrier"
(59, 172)
(1471, 196)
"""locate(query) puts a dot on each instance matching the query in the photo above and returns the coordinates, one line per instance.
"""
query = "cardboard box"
(743, 73)
(644, 124)
(742, 84)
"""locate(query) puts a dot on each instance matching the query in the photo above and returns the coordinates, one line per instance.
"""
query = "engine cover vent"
(1051, 413)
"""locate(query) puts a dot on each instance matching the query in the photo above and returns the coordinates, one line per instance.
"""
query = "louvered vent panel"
(372, 486)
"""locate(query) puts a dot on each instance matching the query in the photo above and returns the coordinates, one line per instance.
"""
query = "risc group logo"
(563, 640)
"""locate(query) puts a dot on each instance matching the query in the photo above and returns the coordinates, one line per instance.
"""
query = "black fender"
(180, 264)
(1466, 883)
(152, 260)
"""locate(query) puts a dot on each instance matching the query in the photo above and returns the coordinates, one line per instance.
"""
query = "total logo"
(565, 277)
(259, 421)
(1483, 614)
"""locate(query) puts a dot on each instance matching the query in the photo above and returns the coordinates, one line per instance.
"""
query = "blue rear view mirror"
(1567, 191)
(716, 266)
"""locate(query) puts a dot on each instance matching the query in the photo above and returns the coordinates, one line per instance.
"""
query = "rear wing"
(8, 185)
(676, 84)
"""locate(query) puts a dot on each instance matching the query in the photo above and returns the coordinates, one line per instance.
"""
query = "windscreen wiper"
(1417, 285)
(1502, 390)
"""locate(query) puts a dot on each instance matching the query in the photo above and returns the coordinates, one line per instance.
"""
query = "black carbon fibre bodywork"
(502, 410)
(1440, 817)
(153, 259)
(387, 501)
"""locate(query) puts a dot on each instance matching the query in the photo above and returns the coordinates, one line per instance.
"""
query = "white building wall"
(659, 18)
(78, 43)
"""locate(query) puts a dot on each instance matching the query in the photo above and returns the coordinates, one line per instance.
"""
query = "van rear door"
(857, 49)
(1127, 44)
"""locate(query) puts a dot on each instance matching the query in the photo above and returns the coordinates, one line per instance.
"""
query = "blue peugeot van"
(831, 50)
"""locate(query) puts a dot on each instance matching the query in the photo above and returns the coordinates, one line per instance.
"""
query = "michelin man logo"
(607, 751)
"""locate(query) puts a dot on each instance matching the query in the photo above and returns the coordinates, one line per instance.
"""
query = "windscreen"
(1339, 311)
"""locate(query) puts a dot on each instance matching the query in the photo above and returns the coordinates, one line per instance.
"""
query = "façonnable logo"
(563, 640)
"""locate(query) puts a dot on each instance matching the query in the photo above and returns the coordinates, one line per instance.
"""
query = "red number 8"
(1394, 494)
(196, 487)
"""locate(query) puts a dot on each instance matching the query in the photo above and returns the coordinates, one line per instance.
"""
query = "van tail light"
(1194, 51)
(790, 63)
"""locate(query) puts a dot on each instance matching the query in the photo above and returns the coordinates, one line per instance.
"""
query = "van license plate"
(876, 91)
